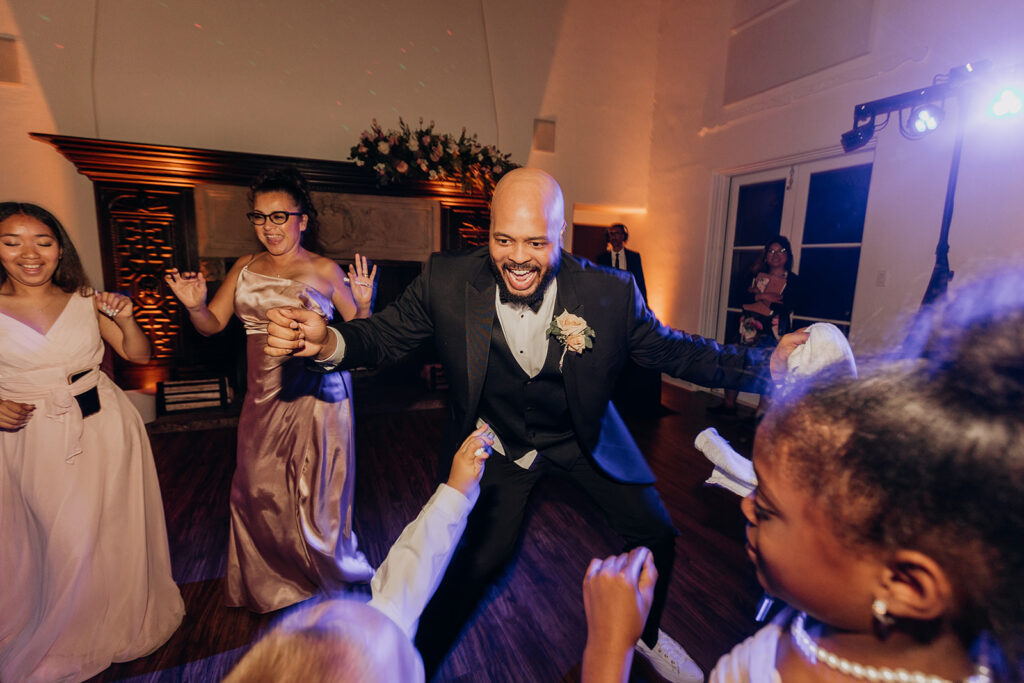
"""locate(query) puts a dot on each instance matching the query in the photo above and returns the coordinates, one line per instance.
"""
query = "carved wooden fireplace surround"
(146, 206)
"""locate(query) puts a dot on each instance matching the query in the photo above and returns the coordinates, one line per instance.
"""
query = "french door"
(820, 207)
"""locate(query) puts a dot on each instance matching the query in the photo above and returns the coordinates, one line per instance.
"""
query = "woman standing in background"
(768, 307)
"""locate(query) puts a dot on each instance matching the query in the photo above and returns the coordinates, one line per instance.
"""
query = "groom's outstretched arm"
(389, 335)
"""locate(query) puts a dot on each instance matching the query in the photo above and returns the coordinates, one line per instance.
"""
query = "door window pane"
(836, 205)
(829, 278)
(759, 213)
(742, 275)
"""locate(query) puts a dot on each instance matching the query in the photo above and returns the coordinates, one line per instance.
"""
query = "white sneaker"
(670, 660)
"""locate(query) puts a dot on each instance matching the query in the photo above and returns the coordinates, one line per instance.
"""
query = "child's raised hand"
(190, 288)
(617, 596)
(14, 415)
(117, 307)
(468, 463)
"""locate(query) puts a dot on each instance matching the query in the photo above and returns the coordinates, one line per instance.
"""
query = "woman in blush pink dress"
(291, 496)
(85, 572)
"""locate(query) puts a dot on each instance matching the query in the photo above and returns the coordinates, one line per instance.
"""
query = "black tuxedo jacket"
(633, 265)
(452, 303)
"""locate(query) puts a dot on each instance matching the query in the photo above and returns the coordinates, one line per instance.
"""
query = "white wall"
(31, 171)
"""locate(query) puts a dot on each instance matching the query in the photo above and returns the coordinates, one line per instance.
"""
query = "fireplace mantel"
(146, 211)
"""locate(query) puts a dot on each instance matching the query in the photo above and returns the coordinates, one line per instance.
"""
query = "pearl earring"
(883, 620)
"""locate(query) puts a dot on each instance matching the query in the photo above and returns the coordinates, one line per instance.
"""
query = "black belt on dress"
(88, 400)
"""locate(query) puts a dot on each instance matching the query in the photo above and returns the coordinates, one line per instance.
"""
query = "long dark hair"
(287, 179)
(761, 264)
(69, 276)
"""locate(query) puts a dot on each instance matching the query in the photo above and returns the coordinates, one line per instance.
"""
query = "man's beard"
(507, 296)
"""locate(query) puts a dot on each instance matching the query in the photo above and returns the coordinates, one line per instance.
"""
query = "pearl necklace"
(814, 653)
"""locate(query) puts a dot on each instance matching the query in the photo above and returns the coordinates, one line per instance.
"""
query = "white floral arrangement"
(422, 154)
(572, 332)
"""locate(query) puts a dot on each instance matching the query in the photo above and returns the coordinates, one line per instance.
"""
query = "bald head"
(529, 190)
(527, 222)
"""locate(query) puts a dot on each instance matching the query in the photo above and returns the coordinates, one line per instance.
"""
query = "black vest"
(527, 413)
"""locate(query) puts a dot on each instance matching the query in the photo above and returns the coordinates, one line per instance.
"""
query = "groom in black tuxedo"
(490, 314)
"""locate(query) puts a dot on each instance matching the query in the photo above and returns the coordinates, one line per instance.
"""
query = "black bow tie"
(532, 305)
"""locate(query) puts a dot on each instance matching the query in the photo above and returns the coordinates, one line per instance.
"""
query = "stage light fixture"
(858, 136)
(924, 119)
(925, 115)
(1007, 103)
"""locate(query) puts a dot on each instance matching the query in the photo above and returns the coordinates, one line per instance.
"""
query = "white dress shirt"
(619, 259)
(412, 571)
(526, 333)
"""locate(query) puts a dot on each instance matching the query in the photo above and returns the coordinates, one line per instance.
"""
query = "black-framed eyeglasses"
(276, 217)
(773, 252)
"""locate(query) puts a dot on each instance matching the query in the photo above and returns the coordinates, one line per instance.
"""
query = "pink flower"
(572, 333)
(570, 324)
(425, 140)
(362, 149)
(576, 342)
(402, 167)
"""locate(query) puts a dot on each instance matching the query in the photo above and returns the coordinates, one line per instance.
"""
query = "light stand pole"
(941, 274)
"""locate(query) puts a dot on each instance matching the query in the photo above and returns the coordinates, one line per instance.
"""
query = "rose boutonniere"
(572, 332)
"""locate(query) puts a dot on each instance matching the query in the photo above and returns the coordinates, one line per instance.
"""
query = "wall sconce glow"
(1008, 103)
(926, 119)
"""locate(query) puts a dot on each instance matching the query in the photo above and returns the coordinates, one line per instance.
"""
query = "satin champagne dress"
(85, 572)
(291, 496)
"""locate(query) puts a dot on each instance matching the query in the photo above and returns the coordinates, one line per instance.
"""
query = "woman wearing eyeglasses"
(767, 308)
(291, 496)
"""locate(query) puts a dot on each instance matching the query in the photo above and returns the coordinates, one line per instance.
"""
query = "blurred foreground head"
(330, 642)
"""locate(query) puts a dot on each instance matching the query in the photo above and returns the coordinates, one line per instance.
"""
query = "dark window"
(836, 205)
(829, 278)
(759, 213)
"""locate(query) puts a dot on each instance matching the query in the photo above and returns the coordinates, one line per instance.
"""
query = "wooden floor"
(531, 627)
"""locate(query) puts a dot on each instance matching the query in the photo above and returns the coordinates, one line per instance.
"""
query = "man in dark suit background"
(623, 259)
(638, 389)
(489, 314)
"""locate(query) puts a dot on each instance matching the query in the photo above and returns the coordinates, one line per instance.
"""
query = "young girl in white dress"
(889, 513)
(85, 572)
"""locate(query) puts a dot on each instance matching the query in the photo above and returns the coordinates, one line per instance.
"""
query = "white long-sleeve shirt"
(412, 571)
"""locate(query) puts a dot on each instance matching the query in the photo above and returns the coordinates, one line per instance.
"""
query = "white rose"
(383, 147)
